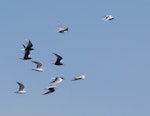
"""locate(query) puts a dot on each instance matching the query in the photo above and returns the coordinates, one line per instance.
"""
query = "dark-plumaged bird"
(26, 55)
(50, 89)
(28, 45)
(59, 59)
(27, 48)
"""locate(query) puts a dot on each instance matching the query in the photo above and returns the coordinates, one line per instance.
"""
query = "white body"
(79, 77)
(62, 29)
(21, 88)
(57, 80)
(38, 67)
(108, 17)
(21, 92)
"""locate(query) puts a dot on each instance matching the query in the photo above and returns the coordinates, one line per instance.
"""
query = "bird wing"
(29, 45)
(50, 90)
(21, 86)
(47, 92)
(24, 46)
(76, 79)
(56, 81)
(38, 64)
(60, 27)
(59, 58)
(79, 77)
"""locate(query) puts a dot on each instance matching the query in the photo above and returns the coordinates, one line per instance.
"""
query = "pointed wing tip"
(54, 53)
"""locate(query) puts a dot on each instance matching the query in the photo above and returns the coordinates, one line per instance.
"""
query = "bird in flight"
(108, 17)
(57, 80)
(59, 59)
(62, 29)
(27, 48)
(50, 89)
(79, 77)
(21, 88)
(38, 67)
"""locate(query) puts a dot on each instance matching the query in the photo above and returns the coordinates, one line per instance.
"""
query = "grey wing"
(38, 64)
(47, 92)
(77, 78)
(60, 27)
(29, 44)
(50, 90)
(21, 86)
(55, 79)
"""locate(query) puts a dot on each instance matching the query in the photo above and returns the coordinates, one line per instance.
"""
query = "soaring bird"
(59, 59)
(21, 88)
(38, 67)
(57, 80)
(79, 77)
(62, 29)
(108, 17)
(50, 89)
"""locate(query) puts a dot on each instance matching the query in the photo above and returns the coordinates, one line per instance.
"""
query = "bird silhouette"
(58, 60)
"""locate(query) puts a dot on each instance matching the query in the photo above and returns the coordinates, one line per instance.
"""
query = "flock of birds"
(28, 47)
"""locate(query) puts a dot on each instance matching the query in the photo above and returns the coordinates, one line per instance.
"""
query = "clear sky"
(114, 56)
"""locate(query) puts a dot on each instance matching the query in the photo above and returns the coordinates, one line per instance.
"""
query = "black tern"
(50, 89)
(28, 45)
(59, 59)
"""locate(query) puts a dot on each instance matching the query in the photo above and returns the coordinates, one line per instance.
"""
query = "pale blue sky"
(114, 55)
